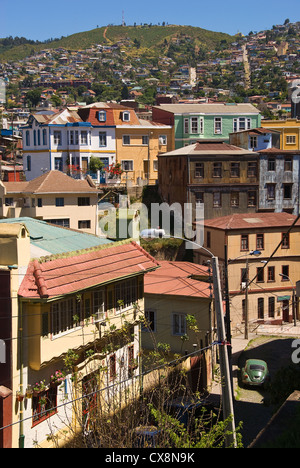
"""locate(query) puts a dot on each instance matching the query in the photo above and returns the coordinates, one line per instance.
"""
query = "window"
(126, 294)
(9, 201)
(59, 222)
(145, 140)
(102, 116)
(252, 169)
(58, 164)
(241, 123)
(199, 197)
(208, 239)
(126, 116)
(44, 137)
(29, 163)
(127, 165)
(259, 241)
(126, 139)
(244, 277)
(186, 125)
(259, 275)
(84, 224)
(252, 198)
(59, 201)
(155, 165)
(40, 202)
(217, 169)
(83, 137)
(271, 164)
(27, 138)
(290, 139)
(150, 322)
(63, 314)
(271, 191)
(162, 139)
(234, 198)
(271, 273)
(57, 137)
(84, 201)
(285, 240)
(288, 164)
(194, 125)
(244, 242)
(271, 307)
(235, 170)
(44, 405)
(287, 191)
(260, 308)
(285, 272)
(199, 170)
(217, 201)
(253, 141)
(34, 137)
(102, 139)
(179, 324)
(98, 305)
(218, 125)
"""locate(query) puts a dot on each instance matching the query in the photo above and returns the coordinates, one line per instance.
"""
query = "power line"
(142, 374)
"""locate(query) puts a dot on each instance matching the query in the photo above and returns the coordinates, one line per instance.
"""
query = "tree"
(95, 164)
(33, 97)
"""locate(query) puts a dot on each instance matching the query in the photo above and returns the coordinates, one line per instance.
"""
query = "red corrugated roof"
(66, 275)
(178, 279)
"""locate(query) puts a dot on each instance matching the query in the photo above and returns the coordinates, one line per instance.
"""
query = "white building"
(65, 141)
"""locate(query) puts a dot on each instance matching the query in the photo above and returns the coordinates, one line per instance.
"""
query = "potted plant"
(29, 392)
(39, 387)
(19, 396)
(57, 378)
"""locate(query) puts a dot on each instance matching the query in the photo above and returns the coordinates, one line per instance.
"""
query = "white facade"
(64, 143)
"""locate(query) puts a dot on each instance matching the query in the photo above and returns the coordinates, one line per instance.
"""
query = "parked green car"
(255, 372)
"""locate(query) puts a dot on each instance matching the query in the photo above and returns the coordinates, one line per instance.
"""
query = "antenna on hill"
(123, 20)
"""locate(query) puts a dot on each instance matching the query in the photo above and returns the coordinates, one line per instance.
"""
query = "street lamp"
(293, 297)
(228, 412)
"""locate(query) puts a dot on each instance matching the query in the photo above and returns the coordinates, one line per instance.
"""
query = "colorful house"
(248, 242)
(179, 312)
(289, 132)
(71, 335)
(206, 121)
(54, 197)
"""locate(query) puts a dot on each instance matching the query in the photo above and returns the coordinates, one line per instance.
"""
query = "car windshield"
(257, 367)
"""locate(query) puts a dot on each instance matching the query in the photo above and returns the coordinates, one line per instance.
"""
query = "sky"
(41, 20)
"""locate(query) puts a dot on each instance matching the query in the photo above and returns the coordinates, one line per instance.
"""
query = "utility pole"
(227, 393)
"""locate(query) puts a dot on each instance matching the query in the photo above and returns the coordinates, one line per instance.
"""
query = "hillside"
(145, 37)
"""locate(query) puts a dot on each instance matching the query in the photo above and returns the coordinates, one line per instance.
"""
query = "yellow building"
(289, 132)
(138, 143)
(250, 241)
(175, 294)
(71, 333)
(54, 197)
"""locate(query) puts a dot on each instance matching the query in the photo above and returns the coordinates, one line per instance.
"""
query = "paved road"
(252, 406)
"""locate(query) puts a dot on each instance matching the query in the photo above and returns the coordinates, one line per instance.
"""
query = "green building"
(193, 122)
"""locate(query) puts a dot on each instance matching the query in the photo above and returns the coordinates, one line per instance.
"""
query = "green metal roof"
(48, 239)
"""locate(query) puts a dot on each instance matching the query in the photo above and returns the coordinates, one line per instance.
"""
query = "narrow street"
(252, 405)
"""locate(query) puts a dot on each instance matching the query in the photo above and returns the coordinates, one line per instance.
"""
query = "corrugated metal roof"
(55, 239)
